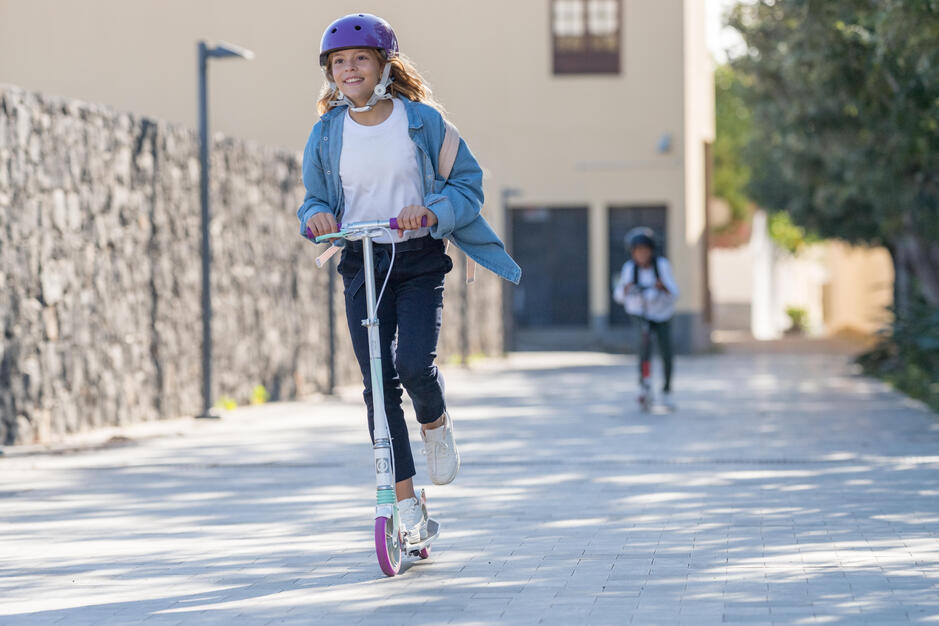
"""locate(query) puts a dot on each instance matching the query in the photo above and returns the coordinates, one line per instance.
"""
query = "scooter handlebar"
(343, 230)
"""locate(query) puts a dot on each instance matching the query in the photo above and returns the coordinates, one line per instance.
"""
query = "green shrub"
(226, 402)
(907, 356)
(798, 318)
(259, 395)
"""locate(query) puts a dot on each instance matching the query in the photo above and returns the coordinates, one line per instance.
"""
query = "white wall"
(841, 287)
(731, 275)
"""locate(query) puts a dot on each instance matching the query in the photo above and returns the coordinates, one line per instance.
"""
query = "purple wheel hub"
(387, 546)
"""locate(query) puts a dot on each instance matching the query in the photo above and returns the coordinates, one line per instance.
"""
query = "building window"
(586, 36)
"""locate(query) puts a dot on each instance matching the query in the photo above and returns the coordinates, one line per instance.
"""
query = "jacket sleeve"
(625, 277)
(458, 201)
(314, 180)
(667, 278)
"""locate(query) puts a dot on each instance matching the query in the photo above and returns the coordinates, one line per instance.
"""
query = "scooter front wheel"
(387, 546)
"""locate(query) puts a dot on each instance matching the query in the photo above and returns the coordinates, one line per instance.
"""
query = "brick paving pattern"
(786, 490)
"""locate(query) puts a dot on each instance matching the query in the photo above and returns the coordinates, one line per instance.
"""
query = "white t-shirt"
(660, 306)
(378, 168)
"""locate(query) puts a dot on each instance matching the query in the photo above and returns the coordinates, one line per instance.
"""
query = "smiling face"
(355, 72)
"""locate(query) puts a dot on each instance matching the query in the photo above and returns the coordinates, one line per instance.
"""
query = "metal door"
(551, 246)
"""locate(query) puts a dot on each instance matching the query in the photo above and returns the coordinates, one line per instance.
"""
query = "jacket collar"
(414, 117)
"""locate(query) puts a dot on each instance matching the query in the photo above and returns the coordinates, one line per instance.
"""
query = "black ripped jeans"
(409, 317)
(662, 332)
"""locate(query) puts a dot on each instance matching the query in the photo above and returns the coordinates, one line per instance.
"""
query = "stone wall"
(101, 282)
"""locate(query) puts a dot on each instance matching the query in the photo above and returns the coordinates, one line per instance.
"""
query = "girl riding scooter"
(373, 156)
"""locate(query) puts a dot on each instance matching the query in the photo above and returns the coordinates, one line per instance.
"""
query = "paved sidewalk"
(785, 490)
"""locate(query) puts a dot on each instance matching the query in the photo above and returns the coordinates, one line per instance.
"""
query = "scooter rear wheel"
(424, 553)
(387, 546)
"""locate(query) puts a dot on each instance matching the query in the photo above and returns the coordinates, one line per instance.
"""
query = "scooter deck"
(433, 531)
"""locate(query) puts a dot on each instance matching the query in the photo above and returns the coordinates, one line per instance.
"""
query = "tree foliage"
(844, 96)
(731, 170)
(787, 235)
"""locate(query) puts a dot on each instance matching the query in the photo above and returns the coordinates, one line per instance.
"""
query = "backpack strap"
(445, 161)
(448, 149)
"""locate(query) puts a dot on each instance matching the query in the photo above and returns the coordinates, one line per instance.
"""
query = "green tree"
(844, 96)
(731, 170)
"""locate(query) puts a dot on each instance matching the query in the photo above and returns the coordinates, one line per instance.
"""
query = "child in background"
(648, 276)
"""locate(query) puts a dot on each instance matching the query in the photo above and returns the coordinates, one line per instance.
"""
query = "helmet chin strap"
(380, 92)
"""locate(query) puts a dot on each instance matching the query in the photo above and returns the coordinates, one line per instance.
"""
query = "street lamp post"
(221, 50)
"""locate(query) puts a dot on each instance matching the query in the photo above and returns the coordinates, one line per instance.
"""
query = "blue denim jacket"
(456, 202)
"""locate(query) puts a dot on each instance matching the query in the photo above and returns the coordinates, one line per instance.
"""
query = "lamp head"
(224, 49)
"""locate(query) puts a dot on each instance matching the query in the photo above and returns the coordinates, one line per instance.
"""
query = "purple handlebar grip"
(393, 222)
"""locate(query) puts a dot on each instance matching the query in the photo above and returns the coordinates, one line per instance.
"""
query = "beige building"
(588, 116)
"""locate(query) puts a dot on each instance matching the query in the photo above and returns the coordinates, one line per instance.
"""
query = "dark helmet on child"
(640, 236)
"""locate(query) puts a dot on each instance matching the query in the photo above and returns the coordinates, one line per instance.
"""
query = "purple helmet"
(359, 30)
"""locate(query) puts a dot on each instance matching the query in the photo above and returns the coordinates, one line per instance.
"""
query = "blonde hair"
(406, 82)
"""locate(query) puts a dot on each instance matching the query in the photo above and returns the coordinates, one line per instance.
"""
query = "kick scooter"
(645, 352)
(391, 542)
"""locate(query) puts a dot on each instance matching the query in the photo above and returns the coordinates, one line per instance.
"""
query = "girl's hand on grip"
(410, 217)
(321, 224)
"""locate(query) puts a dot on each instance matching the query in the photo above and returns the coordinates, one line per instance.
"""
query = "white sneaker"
(667, 401)
(413, 518)
(443, 458)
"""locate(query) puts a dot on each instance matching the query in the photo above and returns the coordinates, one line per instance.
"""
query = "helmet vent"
(334, 30)
(358, 28)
